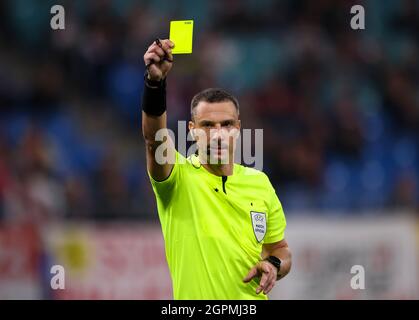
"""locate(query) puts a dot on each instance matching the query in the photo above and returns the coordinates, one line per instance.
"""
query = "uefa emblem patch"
(259, 224)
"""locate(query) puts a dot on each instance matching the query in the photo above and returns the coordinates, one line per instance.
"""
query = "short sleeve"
(276, 223)
(164, 189)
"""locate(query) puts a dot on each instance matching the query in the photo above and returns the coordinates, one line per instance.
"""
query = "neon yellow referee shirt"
(214, 231)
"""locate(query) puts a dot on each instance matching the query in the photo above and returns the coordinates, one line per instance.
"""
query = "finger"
(272, 279)
(258, 290)
(269, 288)
(166, 45)
(151, 57)
(164, 55)
(260, 287)
(155, 48)
(159, 51)
(274, 276)
(264, 280)
(154, 44)
(252, 273)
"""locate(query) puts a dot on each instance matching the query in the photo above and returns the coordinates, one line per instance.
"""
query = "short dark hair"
(213, 95)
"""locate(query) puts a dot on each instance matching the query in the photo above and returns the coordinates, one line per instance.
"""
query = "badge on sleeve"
(259, 224)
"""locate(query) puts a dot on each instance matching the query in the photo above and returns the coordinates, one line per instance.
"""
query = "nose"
(218, 132)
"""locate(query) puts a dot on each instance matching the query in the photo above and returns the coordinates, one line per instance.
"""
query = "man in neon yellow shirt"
(222, 223)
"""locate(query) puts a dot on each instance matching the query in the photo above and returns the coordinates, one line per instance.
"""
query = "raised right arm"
(158, 60)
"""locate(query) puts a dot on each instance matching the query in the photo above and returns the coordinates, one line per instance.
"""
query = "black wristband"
(154, 97)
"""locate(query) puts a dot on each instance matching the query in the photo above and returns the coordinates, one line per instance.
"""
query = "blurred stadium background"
(339, 109)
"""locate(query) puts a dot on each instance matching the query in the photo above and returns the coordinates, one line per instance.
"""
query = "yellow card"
(181, 35)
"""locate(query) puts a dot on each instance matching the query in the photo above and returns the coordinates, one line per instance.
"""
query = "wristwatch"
(276, 262)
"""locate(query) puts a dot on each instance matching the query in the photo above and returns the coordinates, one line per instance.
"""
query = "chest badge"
(259, 224)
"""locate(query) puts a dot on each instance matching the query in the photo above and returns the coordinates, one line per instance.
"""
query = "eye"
(227, 125)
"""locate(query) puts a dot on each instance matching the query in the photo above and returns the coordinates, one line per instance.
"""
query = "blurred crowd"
(339, 107)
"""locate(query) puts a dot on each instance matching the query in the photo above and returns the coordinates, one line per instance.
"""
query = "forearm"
(150, 126)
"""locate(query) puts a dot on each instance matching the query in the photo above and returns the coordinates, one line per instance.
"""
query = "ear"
(238, 128)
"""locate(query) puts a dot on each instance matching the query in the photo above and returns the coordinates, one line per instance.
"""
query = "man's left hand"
(268, 273)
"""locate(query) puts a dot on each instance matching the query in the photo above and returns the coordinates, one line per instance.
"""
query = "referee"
(222, 223)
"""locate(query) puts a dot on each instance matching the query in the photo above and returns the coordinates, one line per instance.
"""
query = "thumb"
(252, 273)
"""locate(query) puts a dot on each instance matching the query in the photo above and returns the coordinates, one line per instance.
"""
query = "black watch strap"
(276, 262)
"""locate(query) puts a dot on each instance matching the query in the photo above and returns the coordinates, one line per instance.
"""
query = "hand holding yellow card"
(181, 35)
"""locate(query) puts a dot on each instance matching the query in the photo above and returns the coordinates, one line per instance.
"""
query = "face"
(215, 127)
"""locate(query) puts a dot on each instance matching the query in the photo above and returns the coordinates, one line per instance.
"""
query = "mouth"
(217, 150)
